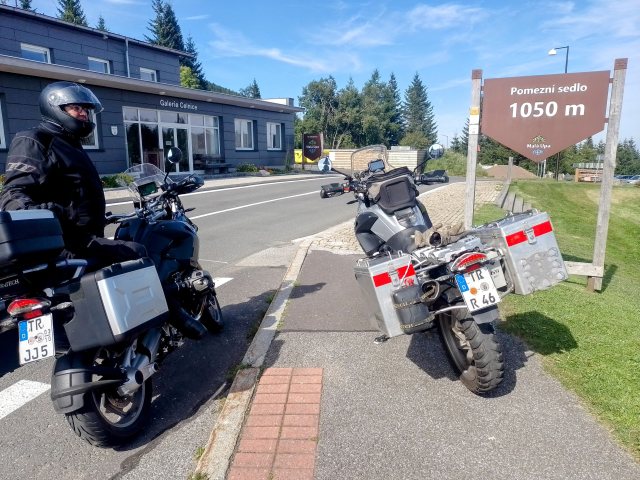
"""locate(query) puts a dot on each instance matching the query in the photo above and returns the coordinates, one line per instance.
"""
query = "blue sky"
(286, 44)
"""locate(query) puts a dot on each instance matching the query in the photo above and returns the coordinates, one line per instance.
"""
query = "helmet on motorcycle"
(55, 96)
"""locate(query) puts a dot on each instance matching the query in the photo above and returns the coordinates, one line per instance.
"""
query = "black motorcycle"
(110, 328)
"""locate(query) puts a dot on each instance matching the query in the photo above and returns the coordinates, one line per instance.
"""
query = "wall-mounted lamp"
(114, 130)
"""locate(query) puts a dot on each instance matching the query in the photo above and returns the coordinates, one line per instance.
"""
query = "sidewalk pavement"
(319, 400)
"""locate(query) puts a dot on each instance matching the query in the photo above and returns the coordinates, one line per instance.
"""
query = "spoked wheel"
(210, 314)
(109, 419)
(473, 350)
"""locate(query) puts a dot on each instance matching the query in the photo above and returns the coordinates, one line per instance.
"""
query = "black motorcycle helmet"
(55, 96)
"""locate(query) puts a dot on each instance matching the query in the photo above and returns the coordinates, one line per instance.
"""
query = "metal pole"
(566, 60)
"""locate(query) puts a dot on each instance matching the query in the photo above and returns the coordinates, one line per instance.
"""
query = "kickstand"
(380, 339)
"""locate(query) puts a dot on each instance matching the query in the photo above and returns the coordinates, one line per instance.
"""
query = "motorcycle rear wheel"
(108, 419)
(473, 350)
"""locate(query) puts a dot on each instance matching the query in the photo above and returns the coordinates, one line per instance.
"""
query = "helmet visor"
(74, 94)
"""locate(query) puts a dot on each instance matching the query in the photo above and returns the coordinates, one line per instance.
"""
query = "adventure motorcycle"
(416, 276)
(109, 329)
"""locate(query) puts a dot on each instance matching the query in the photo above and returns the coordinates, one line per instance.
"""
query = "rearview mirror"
(436, 150)
(174, 155)
(324, 164)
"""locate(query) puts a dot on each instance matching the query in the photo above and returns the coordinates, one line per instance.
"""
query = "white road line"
(18, 394)
(223, 189)
(252, 205)
(219, 281)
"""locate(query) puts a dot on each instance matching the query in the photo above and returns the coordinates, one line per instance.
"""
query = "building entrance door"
(177, 137)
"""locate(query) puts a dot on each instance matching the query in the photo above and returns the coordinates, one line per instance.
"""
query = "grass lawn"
(589, 341)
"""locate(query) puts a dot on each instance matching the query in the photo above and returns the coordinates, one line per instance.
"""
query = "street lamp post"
(554, 51)
(447, 137)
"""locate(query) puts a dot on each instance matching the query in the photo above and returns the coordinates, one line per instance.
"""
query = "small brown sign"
(541, 115)
(312, 145)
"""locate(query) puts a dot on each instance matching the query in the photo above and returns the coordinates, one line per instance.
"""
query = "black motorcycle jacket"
(48, 168)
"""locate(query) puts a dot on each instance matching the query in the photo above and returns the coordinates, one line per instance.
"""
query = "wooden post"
(509, 167)
(606, 186)
(472, 148)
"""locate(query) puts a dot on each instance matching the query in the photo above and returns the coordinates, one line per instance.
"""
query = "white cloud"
(230, 43)
(618, 19)
(443, 17)
(196, 17)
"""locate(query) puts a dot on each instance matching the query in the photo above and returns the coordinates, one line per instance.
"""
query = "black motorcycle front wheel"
(107, 418)
(473, 350)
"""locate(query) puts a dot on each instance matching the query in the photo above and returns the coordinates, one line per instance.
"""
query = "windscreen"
(361, 158)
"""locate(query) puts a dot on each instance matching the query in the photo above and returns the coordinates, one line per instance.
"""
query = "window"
(33, 52)
(274, 136)
(3, 139)
(143, 127)
(91, 142)
(99, 65)
(244, 134)
(148, 74)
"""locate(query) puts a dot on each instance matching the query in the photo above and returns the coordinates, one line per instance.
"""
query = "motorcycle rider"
(47, 168)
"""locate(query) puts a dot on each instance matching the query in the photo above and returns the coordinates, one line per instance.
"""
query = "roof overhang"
(32, 68)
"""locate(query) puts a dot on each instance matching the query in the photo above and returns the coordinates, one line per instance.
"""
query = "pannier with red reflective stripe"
(531, 251)
(379, 278)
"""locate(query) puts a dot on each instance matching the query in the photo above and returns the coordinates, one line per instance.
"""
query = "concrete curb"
(215, 460)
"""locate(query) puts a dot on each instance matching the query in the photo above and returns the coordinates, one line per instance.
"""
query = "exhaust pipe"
(136, 377)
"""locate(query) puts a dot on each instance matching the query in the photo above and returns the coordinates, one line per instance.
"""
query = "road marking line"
(219, 281)
(19, 394)
(252, 205)
(256, 185)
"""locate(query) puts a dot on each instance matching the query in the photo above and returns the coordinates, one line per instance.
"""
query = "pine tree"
(252, 91)
(193, 63)
(71, 11)
(164, 27)
(26, 5)
(419, 120)
(396, 130)
(101, 25)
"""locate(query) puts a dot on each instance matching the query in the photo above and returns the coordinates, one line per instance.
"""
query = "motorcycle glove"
(439, 235)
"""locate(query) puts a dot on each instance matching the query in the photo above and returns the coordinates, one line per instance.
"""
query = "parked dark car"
(434, 176)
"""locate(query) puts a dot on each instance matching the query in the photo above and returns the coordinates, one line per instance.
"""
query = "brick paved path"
(279, 437)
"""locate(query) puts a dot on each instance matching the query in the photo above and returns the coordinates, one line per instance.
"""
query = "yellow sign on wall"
(298, 156)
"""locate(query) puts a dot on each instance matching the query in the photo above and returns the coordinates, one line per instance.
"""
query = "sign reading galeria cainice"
(541, 115)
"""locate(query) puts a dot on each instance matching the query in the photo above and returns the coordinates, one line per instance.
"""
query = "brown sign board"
(312, 145)
(540, 115)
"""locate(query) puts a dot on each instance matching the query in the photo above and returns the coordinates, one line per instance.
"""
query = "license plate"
(35, 339)
(478, 290)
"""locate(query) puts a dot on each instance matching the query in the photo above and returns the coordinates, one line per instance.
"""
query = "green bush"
(454, 163)
(247, 168)
(116, 181)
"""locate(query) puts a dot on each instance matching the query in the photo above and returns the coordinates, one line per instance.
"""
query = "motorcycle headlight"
(407, 217)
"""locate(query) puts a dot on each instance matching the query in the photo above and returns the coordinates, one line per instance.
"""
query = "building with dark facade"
(146, 111)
